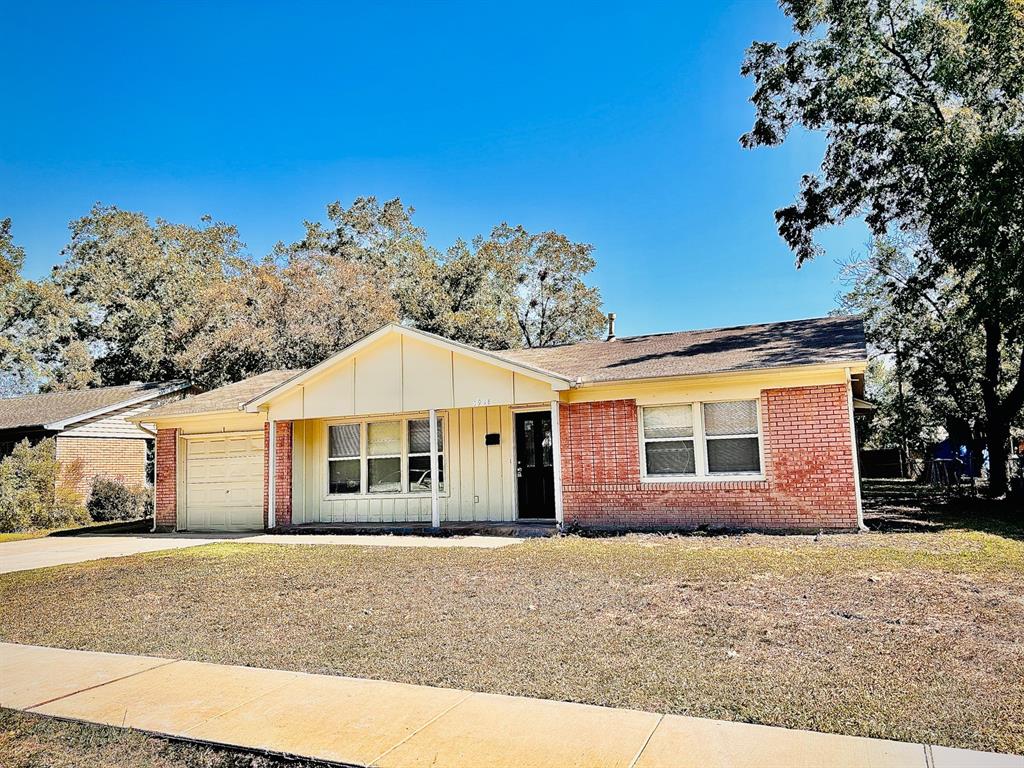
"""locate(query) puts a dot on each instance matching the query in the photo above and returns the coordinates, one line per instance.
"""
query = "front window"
(344, 458)
(730, 430)
(419, 456)
(382, 457)
(724, 440)
(668, 440)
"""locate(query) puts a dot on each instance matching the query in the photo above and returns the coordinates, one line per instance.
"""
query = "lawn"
(908, 636)
(31, 741)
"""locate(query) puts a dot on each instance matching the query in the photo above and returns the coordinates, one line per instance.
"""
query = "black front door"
(535, 470)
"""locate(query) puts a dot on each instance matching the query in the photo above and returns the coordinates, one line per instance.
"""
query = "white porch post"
(435, 502)
(556, 458)
(272, 474)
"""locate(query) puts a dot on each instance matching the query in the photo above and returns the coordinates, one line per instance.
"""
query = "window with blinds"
(382, 457)
(700, 439)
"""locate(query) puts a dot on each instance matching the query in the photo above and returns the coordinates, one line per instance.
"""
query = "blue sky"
(617, 125)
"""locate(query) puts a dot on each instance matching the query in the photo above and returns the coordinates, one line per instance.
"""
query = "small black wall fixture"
(492, 438)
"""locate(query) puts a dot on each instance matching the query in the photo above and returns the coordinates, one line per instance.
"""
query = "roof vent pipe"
(611, 327)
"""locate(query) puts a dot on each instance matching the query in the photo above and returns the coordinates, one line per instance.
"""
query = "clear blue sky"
(616, 125)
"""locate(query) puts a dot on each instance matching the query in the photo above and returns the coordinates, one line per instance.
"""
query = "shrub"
(36, 491)
(113, 500)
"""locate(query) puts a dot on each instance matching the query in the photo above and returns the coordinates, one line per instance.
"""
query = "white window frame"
(364, 457)
(408, 454)
(700, 461)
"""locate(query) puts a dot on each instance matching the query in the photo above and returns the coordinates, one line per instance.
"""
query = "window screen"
(384, 452)
(730, 431)
(668, 440)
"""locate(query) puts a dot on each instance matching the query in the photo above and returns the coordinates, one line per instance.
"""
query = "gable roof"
(819, 340)
(230, 397)
(57, 410)
(557, 380)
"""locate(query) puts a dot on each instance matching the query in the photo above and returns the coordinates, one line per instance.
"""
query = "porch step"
(522, 530)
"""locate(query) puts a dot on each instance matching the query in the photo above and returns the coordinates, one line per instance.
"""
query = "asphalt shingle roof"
(686, 353)
(37, 410)
(716, 350)
(226, 398)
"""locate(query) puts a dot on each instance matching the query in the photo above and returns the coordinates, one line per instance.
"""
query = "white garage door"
(224, 483)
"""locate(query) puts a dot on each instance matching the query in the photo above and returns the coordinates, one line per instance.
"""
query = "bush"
(113, 500)
(36, 491)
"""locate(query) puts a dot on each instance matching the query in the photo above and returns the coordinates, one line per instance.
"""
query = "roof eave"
(855, 366)
(63, 424)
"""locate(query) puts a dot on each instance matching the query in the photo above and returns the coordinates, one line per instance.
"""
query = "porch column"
(556, 458)
(272, 474)
(435, 502)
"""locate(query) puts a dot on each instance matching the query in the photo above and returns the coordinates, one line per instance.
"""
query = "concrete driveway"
(59, 550)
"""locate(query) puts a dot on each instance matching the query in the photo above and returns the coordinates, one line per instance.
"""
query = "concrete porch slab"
(31, 675)
(688, 742)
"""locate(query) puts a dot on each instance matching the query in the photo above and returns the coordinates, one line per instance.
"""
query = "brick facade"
(113, 458)
(166, 504)
(808, 474)
(283, 479)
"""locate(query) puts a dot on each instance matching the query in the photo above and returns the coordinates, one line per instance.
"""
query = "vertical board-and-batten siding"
(479, 478)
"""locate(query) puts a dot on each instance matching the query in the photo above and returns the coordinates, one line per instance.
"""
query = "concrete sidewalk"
(47, 551)
(360, 722)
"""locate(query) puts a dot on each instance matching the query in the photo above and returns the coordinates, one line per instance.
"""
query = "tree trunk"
(997, 423)
(998, 437)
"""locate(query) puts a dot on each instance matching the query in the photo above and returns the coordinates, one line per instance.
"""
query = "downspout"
(853, 450)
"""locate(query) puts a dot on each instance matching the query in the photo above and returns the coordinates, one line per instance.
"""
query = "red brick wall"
(114, 458)
(166, 507)
(283, 479)
(808, 485)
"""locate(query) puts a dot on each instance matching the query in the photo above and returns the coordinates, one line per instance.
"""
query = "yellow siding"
(426, 376)
(479, 479)
(722, 387)
(378, 377)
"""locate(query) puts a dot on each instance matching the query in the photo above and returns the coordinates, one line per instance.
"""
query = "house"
(91, 425)
(745, 427)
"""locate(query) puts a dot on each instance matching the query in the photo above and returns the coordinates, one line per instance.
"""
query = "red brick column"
(283, 473)
(808, 474)
(166, 502)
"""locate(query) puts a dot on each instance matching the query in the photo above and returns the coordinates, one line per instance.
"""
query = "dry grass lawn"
(908, 636)
(31, 741)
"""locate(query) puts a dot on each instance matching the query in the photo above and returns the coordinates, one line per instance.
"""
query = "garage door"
(224, 483)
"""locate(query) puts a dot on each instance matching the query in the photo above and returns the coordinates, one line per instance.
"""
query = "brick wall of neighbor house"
(115, 458)
(283, 480)
(166, 508)
(809, 482)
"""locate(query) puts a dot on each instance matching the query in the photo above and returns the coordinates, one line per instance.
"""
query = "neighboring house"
(91, 425)
(747, 427)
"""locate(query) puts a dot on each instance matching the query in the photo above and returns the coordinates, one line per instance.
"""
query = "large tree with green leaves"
(139, 283)
(921, 103)
(36, 329)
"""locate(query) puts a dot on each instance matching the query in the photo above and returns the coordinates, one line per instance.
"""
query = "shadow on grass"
(130, 526)
(906, 506)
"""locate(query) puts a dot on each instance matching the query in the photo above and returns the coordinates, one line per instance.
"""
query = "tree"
(35, 322)
(292, 313)
(921, 106)
(933, 350)
(510, 289)
(137, 285)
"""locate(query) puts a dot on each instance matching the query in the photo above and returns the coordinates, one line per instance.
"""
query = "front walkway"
(375, 723)
(48, 551)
